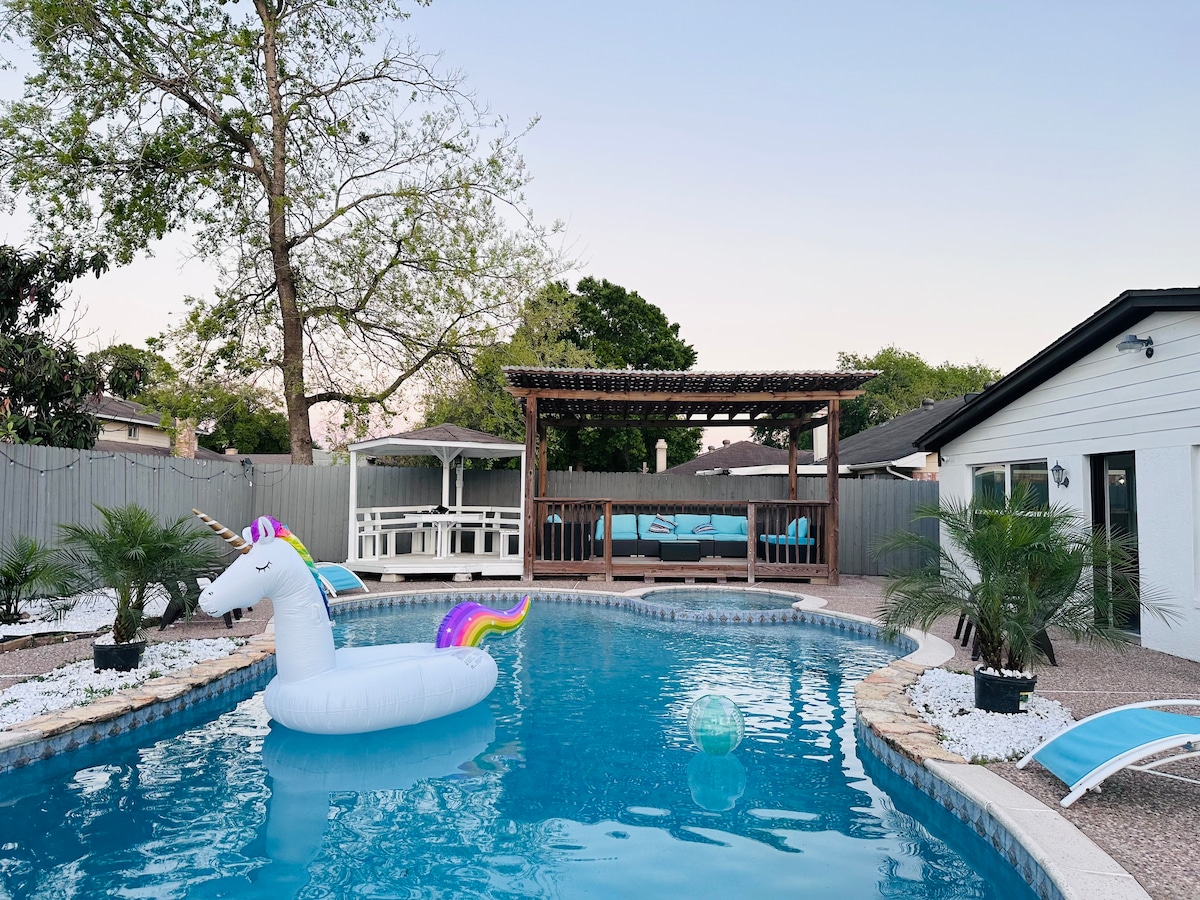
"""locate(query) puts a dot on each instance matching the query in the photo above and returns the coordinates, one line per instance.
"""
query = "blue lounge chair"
(339, 578)
(1083, 754)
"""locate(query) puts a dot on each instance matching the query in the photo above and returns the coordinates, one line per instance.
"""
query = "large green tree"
(354, 198)
(45, 385)
(477, 399)
(904, 380)
(622, 330)
(601, 325)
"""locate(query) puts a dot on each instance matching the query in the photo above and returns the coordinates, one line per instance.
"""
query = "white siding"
(1106, 402)
(148, 435)
(1111, 402)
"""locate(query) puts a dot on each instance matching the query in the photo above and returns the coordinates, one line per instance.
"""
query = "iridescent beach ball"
(716, 724)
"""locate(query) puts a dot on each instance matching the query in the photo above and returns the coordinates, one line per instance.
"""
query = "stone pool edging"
(68, 729)
(1054, 857)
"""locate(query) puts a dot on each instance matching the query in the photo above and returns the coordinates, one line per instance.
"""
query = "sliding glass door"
(1114, 504)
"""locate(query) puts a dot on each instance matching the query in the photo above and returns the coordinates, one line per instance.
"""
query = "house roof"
(443, 441)
(732, 456)
(1114, 320)
(115, 409)
(887, 444)
(895, 439)
(637, 398)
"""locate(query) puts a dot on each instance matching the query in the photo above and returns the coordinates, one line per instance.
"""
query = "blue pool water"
(577, 778)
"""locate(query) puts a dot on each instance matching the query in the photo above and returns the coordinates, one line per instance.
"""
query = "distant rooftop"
(736, 455)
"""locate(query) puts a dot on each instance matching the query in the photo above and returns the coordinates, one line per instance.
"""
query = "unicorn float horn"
(468, 623)
(233, 540)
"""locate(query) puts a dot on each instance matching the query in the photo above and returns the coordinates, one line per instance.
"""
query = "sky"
(787, 180)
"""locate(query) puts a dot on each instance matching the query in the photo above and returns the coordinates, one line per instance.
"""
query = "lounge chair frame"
(1189, 740)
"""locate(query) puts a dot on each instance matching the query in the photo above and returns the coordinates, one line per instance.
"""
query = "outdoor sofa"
(643, 535)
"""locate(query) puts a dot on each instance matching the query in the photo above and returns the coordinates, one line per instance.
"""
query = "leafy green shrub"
(29, 571)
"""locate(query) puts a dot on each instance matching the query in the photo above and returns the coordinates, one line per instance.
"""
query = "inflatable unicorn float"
(322, 690)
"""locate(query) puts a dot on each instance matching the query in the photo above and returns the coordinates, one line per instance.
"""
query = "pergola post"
(831, 521)
(793, 480)
(531, 431)
(543, 461)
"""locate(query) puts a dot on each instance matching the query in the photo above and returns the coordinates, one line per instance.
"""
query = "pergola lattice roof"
(636, 397)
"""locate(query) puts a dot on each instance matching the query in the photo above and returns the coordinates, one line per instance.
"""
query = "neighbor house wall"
(148, 435)
(1110, 402)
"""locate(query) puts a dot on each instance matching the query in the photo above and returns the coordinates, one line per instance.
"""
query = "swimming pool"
(576, 778)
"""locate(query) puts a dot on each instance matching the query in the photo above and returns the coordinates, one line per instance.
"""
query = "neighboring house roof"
(888, 444)
(894, 440)
(147, 450)
(116, 410)
(1113, 321)
(734, 456)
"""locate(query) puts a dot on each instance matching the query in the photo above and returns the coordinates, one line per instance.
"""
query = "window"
(132, 432)
(998, 481)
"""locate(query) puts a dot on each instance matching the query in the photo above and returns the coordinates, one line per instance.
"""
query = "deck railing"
(567, 540)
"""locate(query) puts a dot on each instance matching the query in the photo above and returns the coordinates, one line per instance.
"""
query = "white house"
(1115, 405)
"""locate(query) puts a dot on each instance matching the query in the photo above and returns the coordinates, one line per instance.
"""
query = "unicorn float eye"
(263, 568)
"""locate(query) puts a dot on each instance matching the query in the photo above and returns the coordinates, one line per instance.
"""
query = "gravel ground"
(1148, 824)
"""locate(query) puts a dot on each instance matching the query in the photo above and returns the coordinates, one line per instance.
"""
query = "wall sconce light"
(1131, 343)
(1060, 475)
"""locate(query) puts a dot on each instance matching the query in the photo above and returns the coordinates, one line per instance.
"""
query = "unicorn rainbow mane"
(281, 531)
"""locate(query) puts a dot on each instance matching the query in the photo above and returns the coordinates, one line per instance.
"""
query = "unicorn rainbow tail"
(468, 623)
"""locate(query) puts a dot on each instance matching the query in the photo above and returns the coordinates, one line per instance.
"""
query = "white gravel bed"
(78, 684)
(84, 613)
(947, 701)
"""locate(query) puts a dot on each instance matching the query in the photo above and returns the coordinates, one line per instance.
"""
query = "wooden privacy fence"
(43, 487)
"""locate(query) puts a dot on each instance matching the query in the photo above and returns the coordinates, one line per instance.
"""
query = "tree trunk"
(292, 364)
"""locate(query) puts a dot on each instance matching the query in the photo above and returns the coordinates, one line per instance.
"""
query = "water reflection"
(305, 771)
(716, 782)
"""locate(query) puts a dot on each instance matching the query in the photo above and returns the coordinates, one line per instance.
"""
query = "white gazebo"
(450, 538)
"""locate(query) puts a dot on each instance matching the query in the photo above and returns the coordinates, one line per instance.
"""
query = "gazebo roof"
(442, 441)
(639, 397)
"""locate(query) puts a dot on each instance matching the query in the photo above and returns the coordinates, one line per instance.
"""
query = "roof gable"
(1113, 321)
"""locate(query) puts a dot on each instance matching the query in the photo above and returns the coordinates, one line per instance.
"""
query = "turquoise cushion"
(730, 524)
(687, 522)
(718, 536)
(786, 539)
(624, 528)
(798, 527)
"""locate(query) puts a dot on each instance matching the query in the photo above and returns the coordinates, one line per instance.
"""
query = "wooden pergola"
(578, 398)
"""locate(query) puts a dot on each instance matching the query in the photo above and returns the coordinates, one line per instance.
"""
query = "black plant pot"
(1002, 693)
(120, 657)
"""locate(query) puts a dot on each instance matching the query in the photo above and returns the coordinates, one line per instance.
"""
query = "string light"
(243, 472)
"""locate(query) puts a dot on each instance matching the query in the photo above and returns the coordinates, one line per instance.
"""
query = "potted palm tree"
(1012, 568)
(29, 571)
(140, 560)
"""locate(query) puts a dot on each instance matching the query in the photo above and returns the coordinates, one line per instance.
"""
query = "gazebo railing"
(405, 532)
